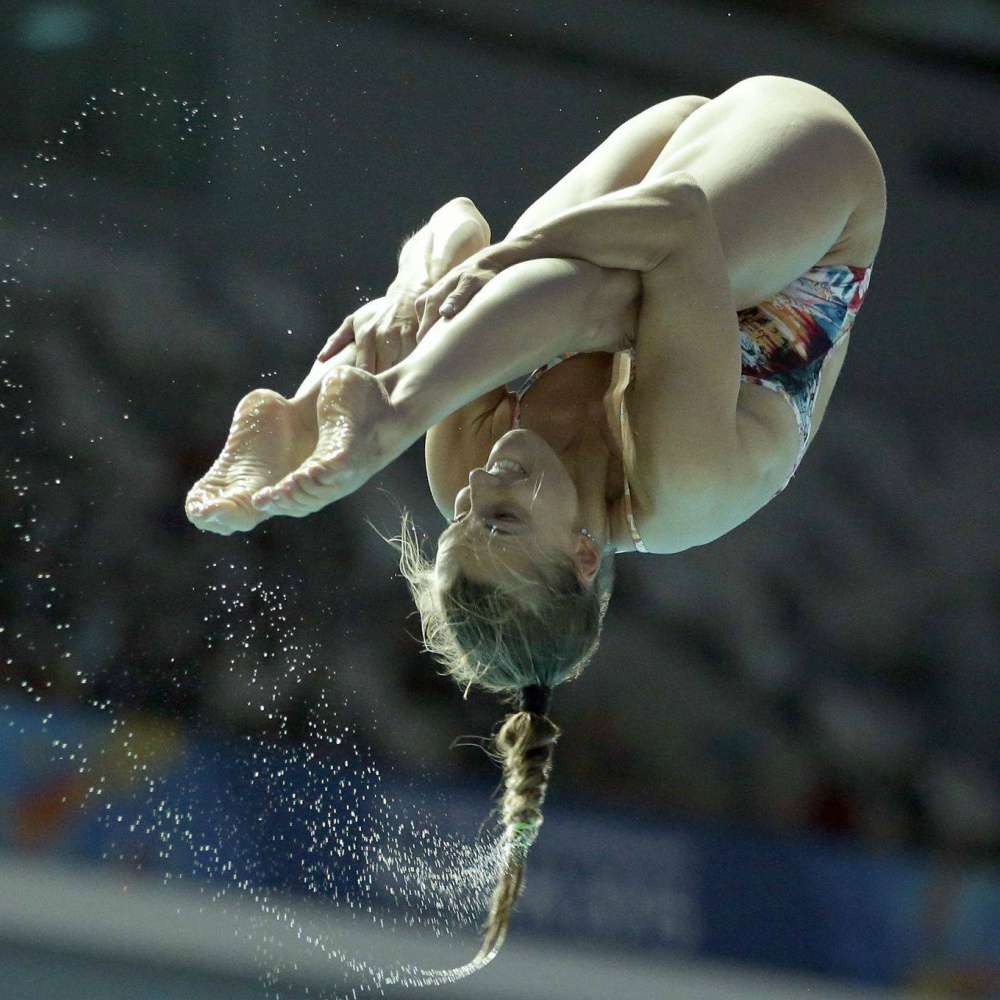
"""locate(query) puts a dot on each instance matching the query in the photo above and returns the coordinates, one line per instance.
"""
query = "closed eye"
(493, 527)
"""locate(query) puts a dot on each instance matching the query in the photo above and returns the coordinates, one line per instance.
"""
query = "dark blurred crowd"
(829, 666)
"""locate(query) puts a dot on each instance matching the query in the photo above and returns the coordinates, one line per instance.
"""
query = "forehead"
(495, 559)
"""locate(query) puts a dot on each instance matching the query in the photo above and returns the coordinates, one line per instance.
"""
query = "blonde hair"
(485, 635)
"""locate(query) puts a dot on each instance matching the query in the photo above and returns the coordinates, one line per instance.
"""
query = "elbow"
(672, 209)
(684, 199)
(686, 212)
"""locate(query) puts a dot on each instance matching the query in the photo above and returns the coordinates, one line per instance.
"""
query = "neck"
(587, 462)
(567, 407)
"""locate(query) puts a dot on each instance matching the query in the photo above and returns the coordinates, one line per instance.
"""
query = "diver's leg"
(791, 179)
(266, 441)
(269, 437)
(527, 315)
(623, 159)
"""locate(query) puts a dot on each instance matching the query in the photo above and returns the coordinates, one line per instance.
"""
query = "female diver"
(695, 279)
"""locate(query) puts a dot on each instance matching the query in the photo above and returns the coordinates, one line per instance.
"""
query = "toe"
(306, 480)
(277, 499)
(269, 502)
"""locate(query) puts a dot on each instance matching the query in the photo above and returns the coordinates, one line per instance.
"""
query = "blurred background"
(780, 775)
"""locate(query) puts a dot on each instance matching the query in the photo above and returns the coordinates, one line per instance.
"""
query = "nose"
(480, 479)
(489, 492)
(490, 496)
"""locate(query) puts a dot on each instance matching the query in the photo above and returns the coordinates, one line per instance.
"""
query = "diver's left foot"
(357, 438)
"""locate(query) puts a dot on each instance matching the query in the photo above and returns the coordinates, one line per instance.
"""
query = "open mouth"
(505, 465)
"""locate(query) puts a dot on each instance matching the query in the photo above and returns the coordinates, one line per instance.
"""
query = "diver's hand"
(385, 331)
(456, 289)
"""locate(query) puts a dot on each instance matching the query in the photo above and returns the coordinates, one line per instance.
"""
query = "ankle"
(411, 404)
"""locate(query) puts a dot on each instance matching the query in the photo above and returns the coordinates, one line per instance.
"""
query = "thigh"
(791, 179)
(623, 159)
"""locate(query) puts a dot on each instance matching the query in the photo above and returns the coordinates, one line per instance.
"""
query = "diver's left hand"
(456, 289)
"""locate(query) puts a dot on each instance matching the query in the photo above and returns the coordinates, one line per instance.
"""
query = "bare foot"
(358, 436)
(267, 440)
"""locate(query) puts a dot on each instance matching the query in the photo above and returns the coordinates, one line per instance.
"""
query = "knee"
(768, 81)
(685, 105)
(769, 87)
(666, 117)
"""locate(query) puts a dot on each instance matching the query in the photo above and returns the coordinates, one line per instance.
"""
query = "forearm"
(634, 228)
(454, 233)
(526, 316)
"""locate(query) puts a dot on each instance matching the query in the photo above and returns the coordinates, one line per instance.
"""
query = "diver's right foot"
(269, 438)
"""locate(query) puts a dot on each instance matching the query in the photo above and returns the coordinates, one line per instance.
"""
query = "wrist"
(515, 250)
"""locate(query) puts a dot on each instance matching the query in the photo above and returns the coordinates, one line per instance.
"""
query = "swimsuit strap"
(633, 530)
(515, 422)
(627, 501)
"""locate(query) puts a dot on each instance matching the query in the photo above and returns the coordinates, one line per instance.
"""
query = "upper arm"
(459, 442)
(689, 469)
(632, 228)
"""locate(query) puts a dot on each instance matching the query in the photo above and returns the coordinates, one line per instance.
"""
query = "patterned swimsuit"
(784, 345)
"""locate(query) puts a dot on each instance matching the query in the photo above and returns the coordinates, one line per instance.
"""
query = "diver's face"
(516, 512)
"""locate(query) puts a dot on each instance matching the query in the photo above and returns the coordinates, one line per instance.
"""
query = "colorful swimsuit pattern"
(784, 345)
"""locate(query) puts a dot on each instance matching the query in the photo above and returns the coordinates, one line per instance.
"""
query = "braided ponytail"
(524, 746)
(504, 639)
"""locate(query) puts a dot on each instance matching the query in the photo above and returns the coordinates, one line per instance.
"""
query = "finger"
(407, 340)
(431, 299)
(338, 340)
(366, 352)
(388, 351)
(453, 304)
(430, 317)
(454, 300)
(468, 286)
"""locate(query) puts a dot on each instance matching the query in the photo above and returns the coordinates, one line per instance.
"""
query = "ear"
(587, 560)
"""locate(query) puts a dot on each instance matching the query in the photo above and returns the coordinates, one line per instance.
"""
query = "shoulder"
(696, 510)
(461, 442)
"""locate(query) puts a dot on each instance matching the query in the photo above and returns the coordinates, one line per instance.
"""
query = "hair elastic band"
(524, 834)
(535, 699)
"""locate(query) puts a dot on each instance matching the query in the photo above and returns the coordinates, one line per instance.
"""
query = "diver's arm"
(570, 285)
(634, 228)
(528, 315)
